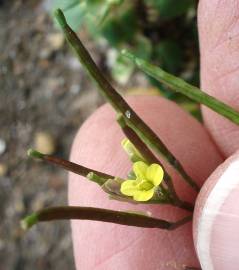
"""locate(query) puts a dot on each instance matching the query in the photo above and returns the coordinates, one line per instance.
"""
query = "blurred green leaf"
(169, 55)
(100, 10)
(74, 11)
(65, 4)
(122, 69)
(169, 9)
(143, 47)
(120, 27)
(76, 16)
(96, 7)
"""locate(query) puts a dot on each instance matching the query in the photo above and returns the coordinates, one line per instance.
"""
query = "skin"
(201, 150)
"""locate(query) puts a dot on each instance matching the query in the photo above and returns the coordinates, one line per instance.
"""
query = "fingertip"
(219, 52)
(216, 218)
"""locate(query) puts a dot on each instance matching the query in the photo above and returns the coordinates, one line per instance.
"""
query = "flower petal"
(155, 174)
(143, 196)
(140, 169)
(129, 187)
(145, 185)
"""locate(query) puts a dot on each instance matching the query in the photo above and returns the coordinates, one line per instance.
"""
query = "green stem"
(70, 166)
(93, 175)
(180, 86)
(99, 214)
(117, 102)
(29, 221)
(96, 178)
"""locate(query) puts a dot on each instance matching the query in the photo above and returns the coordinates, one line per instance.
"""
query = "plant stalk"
(117, 102)
(180, 86)
(70, 166)
(99, 214)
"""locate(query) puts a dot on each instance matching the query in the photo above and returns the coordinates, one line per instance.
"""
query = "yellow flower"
(148, 177)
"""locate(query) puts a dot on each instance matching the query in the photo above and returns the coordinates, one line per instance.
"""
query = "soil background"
(43, 89)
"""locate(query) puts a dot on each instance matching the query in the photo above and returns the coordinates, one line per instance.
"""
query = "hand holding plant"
(185, 145)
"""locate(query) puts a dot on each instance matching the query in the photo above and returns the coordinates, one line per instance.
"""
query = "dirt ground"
(42, 89)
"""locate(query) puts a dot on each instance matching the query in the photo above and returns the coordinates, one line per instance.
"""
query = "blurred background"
(45, 96)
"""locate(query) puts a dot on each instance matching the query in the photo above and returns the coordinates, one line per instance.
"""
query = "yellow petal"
(140, 169)
(145, 185)
(129, 187)
(143, 196)
(155, 174)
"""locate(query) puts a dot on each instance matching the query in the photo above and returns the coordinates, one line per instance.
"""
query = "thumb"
(216, 218)
(219, 48)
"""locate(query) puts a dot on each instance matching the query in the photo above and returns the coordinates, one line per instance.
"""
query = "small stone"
(74, 64)
(55, 41)
(44, 63)
(19, 205)
(75, 89)
(45, 53)
(44, 143)
(54, 83)
(18, 68)
(3, 169)
(3, 146)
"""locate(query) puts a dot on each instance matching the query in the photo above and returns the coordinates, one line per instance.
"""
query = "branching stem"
(70, 166)
(99, 214)
(117, 102)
